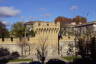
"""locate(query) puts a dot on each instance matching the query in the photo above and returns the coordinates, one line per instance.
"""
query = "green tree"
(3, 31)
(20, 30)
(79, 19)
(87, 49)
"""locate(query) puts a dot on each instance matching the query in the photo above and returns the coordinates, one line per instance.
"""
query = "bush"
(71, 58)
(4, 52)
(4, 55)
(14, 55)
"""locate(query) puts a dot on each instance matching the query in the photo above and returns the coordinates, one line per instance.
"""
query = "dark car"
(35, 62)
(55, 61)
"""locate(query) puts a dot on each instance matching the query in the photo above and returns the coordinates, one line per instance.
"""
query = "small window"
(47, 24)
(39, 24)
(12, 39)
(3, 39)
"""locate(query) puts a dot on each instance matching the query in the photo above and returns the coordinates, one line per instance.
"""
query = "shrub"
(14, 55)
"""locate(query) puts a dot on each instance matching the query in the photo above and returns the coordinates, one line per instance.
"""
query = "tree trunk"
(22, 51)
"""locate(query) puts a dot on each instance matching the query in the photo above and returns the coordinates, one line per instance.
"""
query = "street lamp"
(59, 37)
(76, 38)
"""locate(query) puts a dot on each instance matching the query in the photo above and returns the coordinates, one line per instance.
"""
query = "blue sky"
(47, 10)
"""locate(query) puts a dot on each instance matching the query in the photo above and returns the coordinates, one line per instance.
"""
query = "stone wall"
(30, 50)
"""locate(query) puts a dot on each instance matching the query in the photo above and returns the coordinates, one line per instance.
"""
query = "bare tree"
(87, 49)
(42, 50)
(25, 47)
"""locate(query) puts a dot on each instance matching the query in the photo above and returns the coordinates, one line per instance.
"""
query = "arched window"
(39, 24)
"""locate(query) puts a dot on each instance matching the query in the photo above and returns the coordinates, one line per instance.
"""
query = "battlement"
(47, 24)
(9, 40)
(15, 40)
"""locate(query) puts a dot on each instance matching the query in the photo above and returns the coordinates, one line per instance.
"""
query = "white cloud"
(6, 23)
(8, 11)
(74, 7)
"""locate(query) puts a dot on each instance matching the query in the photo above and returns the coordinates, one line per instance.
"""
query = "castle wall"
(52, 50)
(45, 32)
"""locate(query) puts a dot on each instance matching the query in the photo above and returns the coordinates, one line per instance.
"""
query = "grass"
(70, 58)
(20, 60)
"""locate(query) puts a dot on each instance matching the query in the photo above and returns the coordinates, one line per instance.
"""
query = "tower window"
(47, 24)
(39, 24)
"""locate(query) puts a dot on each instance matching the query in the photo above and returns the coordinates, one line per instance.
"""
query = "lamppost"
(25, 33)
(27, 30)
(59, 37)
(75, 39)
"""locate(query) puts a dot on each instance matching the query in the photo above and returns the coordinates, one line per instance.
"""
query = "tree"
(63, 21)
(20, 30)
(81, 48)
(79, 19)
(3, 31)
(25, 47)
(87, 49)
(93, 48)
(42, 50)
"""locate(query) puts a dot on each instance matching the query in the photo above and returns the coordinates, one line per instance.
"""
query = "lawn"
(70, 58)
(21, 60)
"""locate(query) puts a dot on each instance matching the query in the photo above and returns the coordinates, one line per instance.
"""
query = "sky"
(12, 11)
